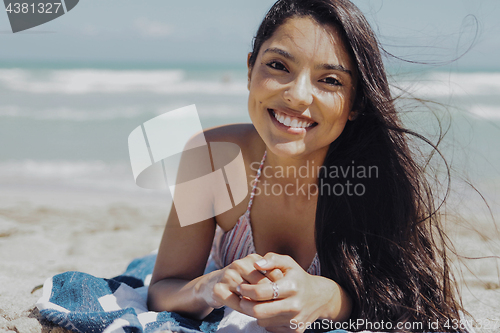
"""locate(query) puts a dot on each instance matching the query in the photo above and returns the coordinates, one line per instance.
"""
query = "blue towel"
(83, 303)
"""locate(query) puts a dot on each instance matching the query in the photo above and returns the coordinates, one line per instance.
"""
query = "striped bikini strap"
(255, 182)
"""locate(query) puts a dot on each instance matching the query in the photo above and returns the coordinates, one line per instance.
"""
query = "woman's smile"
(290, 123)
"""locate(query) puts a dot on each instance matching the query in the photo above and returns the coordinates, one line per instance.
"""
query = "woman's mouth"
(293, 125)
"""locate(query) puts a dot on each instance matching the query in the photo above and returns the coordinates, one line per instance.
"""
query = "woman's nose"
(300, 91)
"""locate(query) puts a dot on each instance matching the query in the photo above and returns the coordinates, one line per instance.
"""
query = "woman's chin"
(288, 149)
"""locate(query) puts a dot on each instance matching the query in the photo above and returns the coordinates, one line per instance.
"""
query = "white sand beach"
(44, 234)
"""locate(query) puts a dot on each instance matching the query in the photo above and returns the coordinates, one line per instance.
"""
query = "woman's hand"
(220, 287)
(295, 299)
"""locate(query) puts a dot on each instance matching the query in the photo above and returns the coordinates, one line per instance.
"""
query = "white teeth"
(287, 121)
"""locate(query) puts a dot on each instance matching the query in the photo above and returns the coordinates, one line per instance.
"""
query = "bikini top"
(237, 243)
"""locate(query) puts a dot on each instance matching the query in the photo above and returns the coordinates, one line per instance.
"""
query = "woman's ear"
(249, 69)
(358, 108)
(353, 115)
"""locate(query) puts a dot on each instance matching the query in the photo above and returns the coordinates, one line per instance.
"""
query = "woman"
(361, 245)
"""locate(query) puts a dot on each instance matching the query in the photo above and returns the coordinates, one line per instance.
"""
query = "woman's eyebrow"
(281, 52)
(331, 67)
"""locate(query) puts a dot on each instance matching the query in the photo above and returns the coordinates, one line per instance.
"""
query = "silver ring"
(276, 292)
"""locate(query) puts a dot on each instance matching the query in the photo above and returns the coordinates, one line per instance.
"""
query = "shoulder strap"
(255, 182)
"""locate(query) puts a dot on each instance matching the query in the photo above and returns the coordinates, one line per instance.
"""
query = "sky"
(220, 31)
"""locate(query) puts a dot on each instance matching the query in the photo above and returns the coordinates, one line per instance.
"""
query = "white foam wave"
(86, 81)
(75, 114)
(454, 84)
(65, 113)
(89, 174)
(50, 169)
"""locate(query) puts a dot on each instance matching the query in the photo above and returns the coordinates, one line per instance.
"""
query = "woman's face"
(302, 88)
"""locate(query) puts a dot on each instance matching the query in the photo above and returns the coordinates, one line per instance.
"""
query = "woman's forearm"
(338, 305)
(182, 296)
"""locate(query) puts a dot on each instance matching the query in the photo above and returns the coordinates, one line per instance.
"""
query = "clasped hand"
(246, 285)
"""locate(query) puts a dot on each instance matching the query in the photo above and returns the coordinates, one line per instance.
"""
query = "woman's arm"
(178, 281)
(338, 304)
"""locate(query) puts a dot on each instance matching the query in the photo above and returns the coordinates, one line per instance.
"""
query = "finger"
(263, 291)
(255, 277)
(275, 275)
(242, 271)
(246, 269)
(232, 277)
(223, 296)
(261, 309)
(272, 261)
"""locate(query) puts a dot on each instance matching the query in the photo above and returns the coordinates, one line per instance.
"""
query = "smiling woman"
(318, 96)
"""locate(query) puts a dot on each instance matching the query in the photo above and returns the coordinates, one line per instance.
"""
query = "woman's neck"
(300, 170)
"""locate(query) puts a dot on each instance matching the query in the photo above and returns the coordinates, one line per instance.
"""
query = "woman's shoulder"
(237, 133)
(235, 138)
(243, 135)
(224, 144)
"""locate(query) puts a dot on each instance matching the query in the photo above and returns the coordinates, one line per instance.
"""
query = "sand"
(46, 232)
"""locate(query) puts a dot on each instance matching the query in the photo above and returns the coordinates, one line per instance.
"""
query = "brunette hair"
(386, 248)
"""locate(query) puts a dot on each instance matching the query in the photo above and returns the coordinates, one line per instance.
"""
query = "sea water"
(67, 125)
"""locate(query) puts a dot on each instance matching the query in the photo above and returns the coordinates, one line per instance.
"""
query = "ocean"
(66, 125)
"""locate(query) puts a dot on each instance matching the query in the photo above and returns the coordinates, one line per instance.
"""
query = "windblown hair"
(386, 247)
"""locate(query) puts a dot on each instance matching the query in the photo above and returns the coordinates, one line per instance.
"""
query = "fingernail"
(261, 262)
(238, 289)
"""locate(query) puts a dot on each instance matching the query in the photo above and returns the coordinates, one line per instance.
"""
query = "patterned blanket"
(84, 303)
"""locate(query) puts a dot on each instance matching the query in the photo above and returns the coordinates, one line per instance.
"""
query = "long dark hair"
(383, 242)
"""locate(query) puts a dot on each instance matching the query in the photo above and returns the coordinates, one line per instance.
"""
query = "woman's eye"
(277, 65)
(332, 81)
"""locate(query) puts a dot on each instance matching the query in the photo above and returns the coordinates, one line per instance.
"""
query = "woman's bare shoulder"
(243, 135)
(230, 133)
